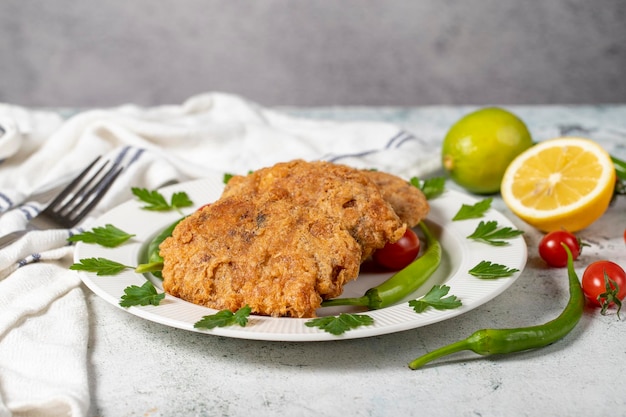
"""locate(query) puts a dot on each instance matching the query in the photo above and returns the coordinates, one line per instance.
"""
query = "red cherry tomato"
(595, 286)
(552, 252)
(397, 255)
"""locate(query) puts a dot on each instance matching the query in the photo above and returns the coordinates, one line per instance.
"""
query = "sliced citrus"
(563, 183)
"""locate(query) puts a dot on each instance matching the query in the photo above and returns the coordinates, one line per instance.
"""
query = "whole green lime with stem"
(478, 148)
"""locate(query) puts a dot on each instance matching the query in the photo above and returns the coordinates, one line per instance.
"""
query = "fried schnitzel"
(284, 238)
(407, 201)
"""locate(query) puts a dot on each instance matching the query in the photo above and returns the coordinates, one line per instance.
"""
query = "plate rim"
(214, 184)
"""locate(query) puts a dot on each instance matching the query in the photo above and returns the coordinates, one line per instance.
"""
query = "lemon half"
(563, 183)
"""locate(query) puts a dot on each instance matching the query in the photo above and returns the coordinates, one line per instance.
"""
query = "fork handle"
(6, 240)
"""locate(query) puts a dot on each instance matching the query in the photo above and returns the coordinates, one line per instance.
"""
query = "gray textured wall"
(313, 52)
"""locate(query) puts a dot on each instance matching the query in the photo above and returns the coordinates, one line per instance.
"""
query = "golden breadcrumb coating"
(407, 201)
(280, 239)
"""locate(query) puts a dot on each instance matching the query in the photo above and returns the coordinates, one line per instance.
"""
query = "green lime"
(479, 147)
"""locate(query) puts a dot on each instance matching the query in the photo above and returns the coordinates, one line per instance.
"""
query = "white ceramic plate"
(460, 255)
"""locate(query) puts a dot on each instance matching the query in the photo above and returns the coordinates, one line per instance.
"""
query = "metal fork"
(73, 203)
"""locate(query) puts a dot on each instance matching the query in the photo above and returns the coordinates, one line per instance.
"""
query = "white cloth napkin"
(43, 315)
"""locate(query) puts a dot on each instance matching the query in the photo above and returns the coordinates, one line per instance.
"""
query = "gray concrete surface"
(141, 368)
(313, 53)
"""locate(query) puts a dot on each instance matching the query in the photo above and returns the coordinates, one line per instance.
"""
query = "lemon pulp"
(564, 183)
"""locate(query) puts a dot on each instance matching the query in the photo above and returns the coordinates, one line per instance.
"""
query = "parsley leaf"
(227, 177)
(180, 199)
(108, 236)
(340, 324)
(156, 201)
(474, 211)
(224, 318)
(435, 299)
(489, 233)
(431, 187)
(100, 266)
(488, 270)
(141, 296)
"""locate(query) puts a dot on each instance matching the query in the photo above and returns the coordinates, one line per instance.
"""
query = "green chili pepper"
(402, 283)
(154, 262)
(497, 341)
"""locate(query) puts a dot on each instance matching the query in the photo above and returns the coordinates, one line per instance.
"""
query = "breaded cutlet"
(280, 239)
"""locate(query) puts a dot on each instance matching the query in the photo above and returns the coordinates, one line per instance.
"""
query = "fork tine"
(68, 189)
(75, 199)
(71, 207)
(95, 195)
